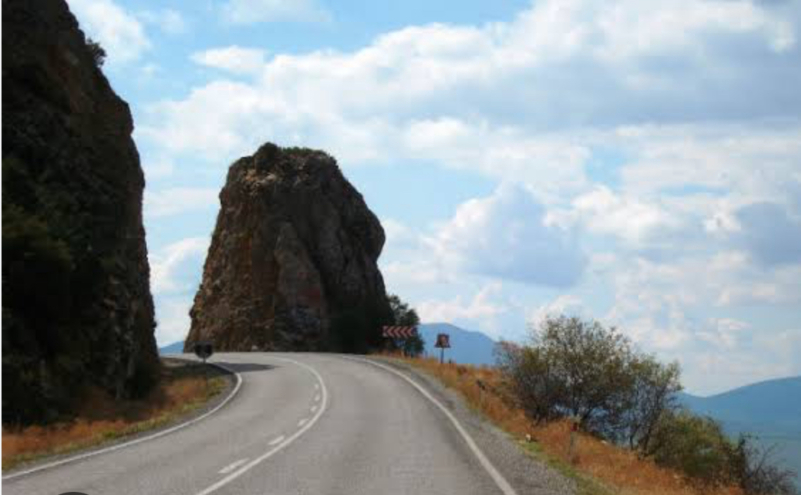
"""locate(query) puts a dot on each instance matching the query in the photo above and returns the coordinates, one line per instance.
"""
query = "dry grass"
(100, 418)
(598, 467)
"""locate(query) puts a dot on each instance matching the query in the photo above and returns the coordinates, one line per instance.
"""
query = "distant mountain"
(772, 403)
(769, 410)
(174, 348)
(467, 347)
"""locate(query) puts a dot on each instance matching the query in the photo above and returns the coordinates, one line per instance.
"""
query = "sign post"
(204, 350)
(571, 450)
(443, 342)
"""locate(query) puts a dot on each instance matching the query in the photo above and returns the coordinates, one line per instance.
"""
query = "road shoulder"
(525, 474)
(160, 429)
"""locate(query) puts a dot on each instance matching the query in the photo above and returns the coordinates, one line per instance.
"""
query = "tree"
(695, 445)
(404, 315)
(654, 392)
(97, 52)
(757, 474)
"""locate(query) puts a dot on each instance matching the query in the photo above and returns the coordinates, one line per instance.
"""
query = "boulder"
(292, 263)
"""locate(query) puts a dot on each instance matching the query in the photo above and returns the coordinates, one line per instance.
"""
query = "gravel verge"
(526, 474)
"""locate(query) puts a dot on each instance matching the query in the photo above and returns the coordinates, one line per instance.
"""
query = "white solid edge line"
(231, 477)
(276, 440)
(136, 440)
(504, 485)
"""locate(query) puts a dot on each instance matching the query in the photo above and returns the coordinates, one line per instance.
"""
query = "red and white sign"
(398, 332)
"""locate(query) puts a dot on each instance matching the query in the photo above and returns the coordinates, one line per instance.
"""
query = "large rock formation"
(292, 263)
(77, 308)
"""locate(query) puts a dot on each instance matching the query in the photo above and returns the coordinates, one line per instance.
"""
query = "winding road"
(299, 424)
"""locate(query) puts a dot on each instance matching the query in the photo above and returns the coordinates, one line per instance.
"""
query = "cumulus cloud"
(235, 59)
(505, 236)
(689, 212)
(723, 333)
(255, 11)
(566, 304)
(481, 306)
(637, 222)
(118, 31)
(174, 268)
(177, 200)
(542, 71)
(173, 319)
(175, 272)
(482, 310)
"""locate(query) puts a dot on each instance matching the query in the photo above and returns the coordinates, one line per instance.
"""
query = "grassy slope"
(598, 467)
(183, 389)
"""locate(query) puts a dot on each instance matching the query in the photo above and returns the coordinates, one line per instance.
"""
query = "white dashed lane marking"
(227, 469)
(317, 398)
(284, 441)
(302, 422)
(275, 441)
(313, 409)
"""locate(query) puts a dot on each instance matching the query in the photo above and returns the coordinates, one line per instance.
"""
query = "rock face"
(292, 263)
(77, 308)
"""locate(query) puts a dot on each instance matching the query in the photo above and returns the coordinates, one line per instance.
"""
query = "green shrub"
(695, 445)
(581, 369)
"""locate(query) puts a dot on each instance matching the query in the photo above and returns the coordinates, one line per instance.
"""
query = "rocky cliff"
(292, 262)
(77, 308)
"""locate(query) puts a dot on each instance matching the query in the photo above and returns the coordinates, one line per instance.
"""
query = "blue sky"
(634, 162)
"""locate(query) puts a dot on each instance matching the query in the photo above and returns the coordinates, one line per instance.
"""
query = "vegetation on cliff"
(77, 307)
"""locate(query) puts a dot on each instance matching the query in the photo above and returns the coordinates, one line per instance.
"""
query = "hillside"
(77, 308)
(174, 348)
(770, 410)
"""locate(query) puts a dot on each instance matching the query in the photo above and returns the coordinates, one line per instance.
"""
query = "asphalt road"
(300, 424)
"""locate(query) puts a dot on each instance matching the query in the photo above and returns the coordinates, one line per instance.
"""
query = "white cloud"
(566, 304)
(505, 236)
(544, 71)
(723, 333)
(235, 59)
(173, 320)
(483, 307)
(624, 123)
(158, 168)
(175, 268)
(636, 222)
(118, 31)
(255, 11)
(168, 20)
(479, 307)
(174, 201)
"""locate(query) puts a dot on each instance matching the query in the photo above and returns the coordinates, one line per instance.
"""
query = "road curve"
(300, 424)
